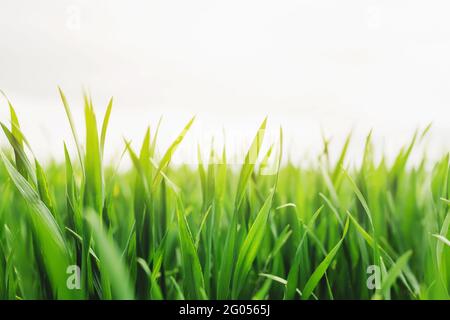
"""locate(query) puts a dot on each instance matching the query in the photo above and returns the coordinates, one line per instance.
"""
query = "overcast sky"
(309, 65)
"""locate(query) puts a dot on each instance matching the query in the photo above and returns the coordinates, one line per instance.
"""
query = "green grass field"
(377, 230)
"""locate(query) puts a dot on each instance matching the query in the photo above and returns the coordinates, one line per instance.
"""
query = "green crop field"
(82, 229)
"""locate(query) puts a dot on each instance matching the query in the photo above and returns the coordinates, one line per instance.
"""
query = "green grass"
(159, 231)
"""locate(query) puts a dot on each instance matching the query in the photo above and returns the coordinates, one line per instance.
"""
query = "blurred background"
(317, 68)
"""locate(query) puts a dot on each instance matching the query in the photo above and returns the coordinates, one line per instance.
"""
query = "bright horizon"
(310, 67)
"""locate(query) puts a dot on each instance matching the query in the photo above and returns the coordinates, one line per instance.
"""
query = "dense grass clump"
(265, 231)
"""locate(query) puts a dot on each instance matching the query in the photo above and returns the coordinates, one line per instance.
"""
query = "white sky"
(309, 65)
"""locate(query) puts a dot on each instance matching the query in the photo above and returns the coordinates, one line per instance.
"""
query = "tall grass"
(160, 231)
